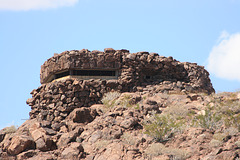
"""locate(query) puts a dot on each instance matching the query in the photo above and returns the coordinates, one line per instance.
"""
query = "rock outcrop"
(94, 119)
(118, 131)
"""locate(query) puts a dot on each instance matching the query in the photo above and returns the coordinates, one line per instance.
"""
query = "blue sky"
(31, 31)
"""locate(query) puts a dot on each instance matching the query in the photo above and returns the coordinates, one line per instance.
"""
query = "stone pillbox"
(73, 118)
(76, 79)
(129, 69)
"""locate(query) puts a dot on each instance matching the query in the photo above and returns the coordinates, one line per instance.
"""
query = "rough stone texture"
(82, 115)
(68, 137)
(27, 154)
(2, 135)
(19, 144)
(73, 151)
(53, 102)
(133, 68)
(68, 120)
(118, 133)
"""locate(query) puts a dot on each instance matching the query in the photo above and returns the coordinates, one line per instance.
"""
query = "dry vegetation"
(10, 129)
(221, 115)
(157, 149)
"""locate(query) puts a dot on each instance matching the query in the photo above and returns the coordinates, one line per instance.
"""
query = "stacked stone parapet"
(75, 79)
(130, 69)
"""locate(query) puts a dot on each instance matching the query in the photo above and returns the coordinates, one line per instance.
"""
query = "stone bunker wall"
(136, 69)
(83, 59)
(138, 72)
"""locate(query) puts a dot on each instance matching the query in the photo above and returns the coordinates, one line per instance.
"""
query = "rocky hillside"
(116, 105)
(131, 69)
(147, 124)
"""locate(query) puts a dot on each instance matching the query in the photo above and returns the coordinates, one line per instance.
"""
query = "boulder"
(72, 151)
(128, 122)
(43, 156)
(20, 143)
(114, 151)
(68, 137)
(82, 115)
(27, 154)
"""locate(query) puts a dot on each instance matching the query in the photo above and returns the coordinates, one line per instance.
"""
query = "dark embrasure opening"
(86, 73)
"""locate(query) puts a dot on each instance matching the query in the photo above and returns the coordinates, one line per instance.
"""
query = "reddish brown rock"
(27, 154)
(82, 115)
(19, 144)
(68, 137)
(43, 156)
(73, 151)
(69, 121)
(128, 122)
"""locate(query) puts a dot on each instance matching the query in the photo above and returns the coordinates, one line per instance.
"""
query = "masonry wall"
(138, 72)
(136, 69)
(80, 59)
(54, 101)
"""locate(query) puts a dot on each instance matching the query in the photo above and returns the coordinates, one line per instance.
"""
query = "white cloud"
(224, 59)
(18, 5)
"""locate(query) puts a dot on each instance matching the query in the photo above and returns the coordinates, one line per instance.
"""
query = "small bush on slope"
(157, 149)
(9, 130)
(109, 98)
(124, 101)
(228, 106)
(115, 98)
(177, 111)
(162, 127)
(208, 120)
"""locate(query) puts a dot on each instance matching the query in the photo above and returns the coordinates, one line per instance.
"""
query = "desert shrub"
(157, 149)
(129, 100)
(209, 120)
(11, 129)
(138, 105)
(154, 150)
(162, 127)
(124, 101)
(227, 106)
(109, 98)
(150, 117)
(177, 111)
(112, 99)
(232, 120)
(177, 154)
